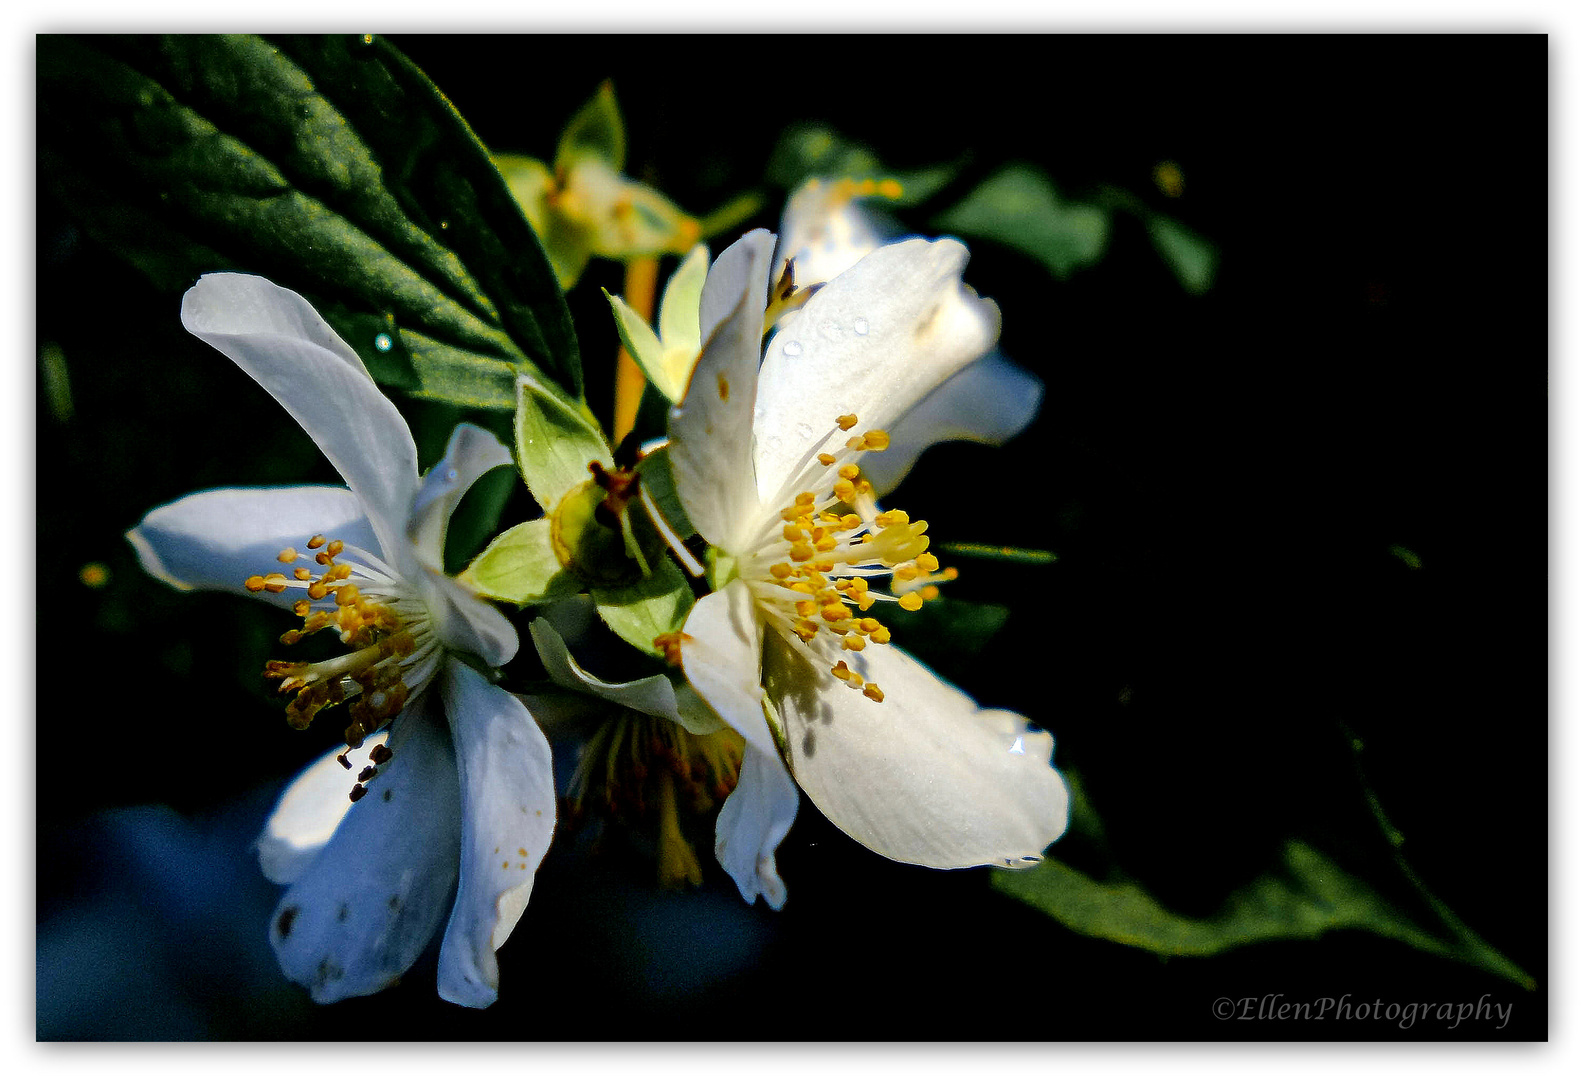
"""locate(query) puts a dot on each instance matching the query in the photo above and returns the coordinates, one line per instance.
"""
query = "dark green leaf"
(328, 164)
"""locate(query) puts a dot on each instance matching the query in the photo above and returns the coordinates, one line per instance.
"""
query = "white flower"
(786, 651)
(463, 787)
(824, 231)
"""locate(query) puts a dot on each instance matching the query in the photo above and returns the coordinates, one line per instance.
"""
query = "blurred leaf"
(520, 567)
(1302, 895)
(596, 131)
(807, 150)
(1192, 259)
(328, 164)
(955, 627)
(997, 553)
(1020, 207)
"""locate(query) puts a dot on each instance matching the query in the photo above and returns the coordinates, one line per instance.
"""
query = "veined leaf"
(328, 164)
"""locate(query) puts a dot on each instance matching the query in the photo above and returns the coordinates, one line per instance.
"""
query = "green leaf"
(1303, 894)
(1020, 207)
(555, 443)
(813, 150)
(658, 604)
(520, 567)
(997, 553)
(331, 166)
(1191, 258)
(596, 131)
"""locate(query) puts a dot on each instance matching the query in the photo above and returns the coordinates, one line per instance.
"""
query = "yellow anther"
(868, 626)
(792, 531)
(825, 543)
(928, 563)
(873, 692)
(844, 490)
(823, 566)
(880, 636)
(792, 513)
(781, 570)
(802, 551)
(317, 591)
(910, 601)
(847, 422)
(851, 521)
(254, 583)
(302, 573)
(339, 573)
(876, 440)
(855, 642)
(806, 630)
(835, 612)
(905, 571)
(346, 595)
(315, 541)
(335, 548)
(802, 587)
(805, 608)
(323, 558)
(929, 592)
(275, 583)
(805, 498)
(848, 472)
(827, 459)
(856, 443)
(300, 609)
(287, 555)
(950, 573)
(857, 587)
(888, 188)
(887, 518)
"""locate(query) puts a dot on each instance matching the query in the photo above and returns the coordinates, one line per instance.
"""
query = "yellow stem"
(639, 291)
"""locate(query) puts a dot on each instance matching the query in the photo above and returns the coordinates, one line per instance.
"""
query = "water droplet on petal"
(804, 431)
(382, 342)
(860, 325)
(450, 475)
(792, 348)
(774, 442)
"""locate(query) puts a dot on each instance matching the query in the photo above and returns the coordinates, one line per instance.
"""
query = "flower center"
(812, 570)
(636, 768)
(387, 626)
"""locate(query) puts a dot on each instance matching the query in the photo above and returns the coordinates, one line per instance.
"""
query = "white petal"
(824, 231)
(743, 269)
(218, 539)
(652, 696)
(924, 776)
(464, 622)
(470, 454)
(752, 823)
(721, 643)
(359, 916)
(989, 401)
(712, 429)
(509, 802)
(874, 342)
(277, 338)
(309, 811)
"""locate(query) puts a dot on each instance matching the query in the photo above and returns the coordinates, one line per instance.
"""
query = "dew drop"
(382, 342)
(774, 442)
(451, 475)
(792, 348)
(860, 325)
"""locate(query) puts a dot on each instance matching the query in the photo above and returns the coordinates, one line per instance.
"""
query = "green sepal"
(639, 613)
(556, 440)
(520, 567)
(1191, 258)
(595, 130)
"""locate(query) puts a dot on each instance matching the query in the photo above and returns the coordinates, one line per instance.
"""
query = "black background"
(1224, 478)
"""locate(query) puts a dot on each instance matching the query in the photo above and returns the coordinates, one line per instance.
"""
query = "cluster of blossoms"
(788, 678)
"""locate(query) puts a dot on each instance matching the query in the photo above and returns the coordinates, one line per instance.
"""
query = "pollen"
(823, 564)
(393, 649)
